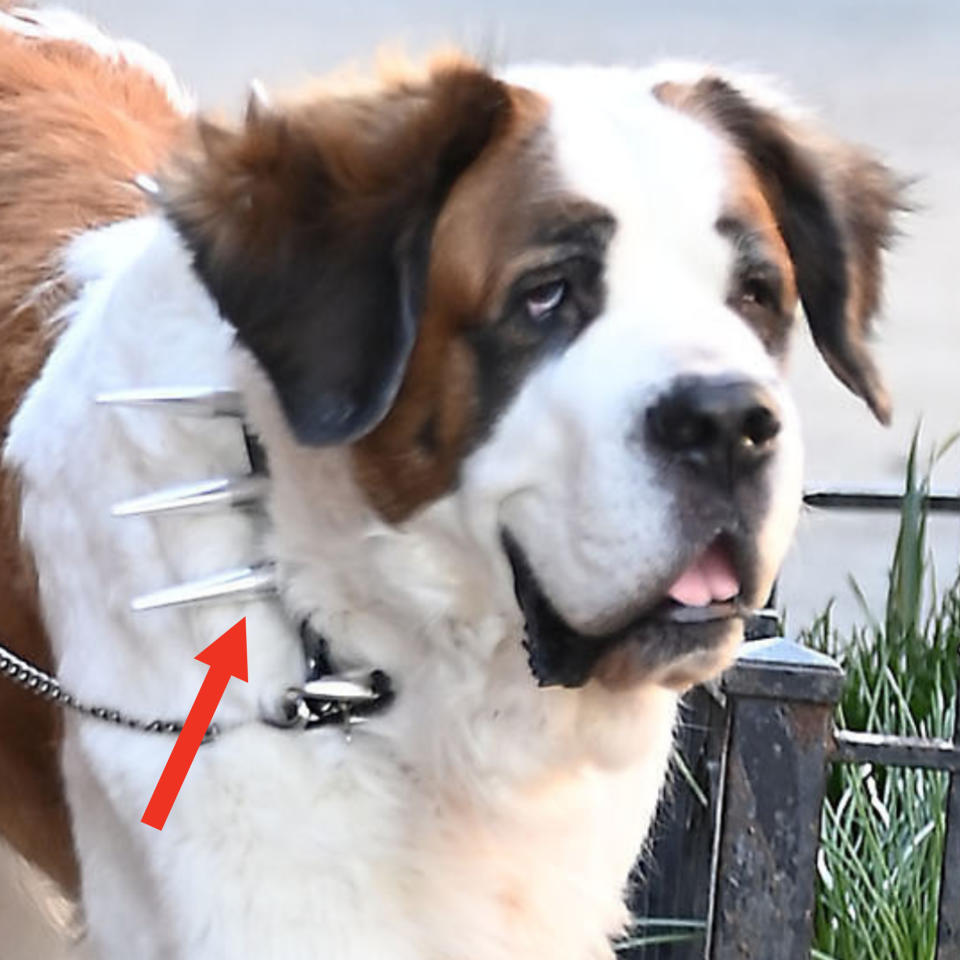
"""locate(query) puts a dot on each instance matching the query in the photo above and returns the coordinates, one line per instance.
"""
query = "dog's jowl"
(501, 442)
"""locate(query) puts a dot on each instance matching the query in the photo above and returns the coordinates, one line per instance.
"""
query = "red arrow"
(227, 657)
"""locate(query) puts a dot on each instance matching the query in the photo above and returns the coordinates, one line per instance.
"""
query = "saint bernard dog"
(507, 353)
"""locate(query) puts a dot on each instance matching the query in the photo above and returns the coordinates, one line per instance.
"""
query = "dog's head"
(563, 302)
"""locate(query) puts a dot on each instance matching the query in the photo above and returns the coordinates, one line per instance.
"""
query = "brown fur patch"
(74, 128)
(331, 229)
(414, 455)
(497, 223)
(311, 226)
(751, 224)
(747, 203)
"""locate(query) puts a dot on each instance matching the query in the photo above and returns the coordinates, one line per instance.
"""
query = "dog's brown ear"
(311, 228)
(834, 206)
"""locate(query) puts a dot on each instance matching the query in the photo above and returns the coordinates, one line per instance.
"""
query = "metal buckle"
(347, 699)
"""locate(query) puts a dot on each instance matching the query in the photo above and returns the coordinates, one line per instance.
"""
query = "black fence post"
(782, 697)
(948, 931)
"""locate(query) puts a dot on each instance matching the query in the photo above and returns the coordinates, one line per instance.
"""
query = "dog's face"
(563, 302)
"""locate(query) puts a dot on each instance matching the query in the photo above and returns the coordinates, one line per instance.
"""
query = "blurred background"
(882, 72)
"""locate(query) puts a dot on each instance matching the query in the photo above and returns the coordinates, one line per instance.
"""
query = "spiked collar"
(326, 697)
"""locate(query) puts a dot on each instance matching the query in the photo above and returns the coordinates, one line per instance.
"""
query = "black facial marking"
(580, 225)
(509, 345)
(331, 324)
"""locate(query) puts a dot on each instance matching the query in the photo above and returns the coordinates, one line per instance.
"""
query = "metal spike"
(148, 185)
(239, 584)
(208, 494)
(189, 401)
(258, 101)
(340, 688)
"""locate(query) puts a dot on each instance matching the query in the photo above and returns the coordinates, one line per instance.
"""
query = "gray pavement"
(880, 71)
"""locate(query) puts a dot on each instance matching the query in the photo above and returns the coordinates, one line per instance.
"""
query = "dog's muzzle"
(713, 438)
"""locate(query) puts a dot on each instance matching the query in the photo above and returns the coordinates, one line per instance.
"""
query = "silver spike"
(258, 101)
(239, 584)
(190, 401)
(340, 688)
(208, 494)
(148, 186)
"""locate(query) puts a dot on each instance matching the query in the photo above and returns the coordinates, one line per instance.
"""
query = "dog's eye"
(759, 292)
(541, 301)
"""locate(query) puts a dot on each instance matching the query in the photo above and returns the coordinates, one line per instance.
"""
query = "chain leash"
(40, 683)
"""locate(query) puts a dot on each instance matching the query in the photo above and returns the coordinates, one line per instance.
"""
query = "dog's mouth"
(694, 613)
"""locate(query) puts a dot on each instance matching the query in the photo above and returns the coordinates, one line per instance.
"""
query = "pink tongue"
(709, 579)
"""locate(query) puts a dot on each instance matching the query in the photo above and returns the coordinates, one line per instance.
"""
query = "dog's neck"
(499, 769)
(431, 603)
(383, 595)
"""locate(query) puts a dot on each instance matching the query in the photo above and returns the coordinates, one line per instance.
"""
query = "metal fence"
(736, 851)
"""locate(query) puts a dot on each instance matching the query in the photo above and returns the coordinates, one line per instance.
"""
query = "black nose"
(722, 428)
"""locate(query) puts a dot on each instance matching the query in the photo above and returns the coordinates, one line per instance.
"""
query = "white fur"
(480, 815)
